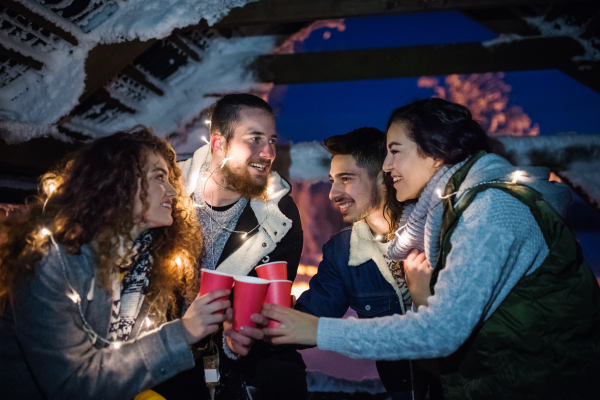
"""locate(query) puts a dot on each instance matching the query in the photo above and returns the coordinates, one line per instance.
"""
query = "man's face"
(352, 189)
(251, 151)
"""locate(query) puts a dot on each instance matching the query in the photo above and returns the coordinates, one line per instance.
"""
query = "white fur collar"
(274, 225)
(362, 250)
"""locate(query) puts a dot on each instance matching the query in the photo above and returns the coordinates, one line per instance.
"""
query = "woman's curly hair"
(89, 199)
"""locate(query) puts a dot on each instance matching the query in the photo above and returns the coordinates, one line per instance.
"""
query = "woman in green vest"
(514, 311)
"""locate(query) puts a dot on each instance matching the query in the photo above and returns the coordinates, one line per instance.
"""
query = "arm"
(496, 242)
(326, 296)
(61, 355)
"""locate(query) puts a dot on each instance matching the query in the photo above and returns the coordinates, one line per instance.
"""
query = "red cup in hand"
(214, 280)
(273, 271)
(248, 298)
(279, 292)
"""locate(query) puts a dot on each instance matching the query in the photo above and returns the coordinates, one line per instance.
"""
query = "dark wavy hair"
(90, 199)
(366, 145)
(442, 130)
(226, 112)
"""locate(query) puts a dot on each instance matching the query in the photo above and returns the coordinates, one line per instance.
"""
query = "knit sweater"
(496, 242)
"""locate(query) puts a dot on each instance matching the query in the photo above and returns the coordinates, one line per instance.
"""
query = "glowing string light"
(205, 139)
(516, 176)
(224, 161)
(51, 188)
(116, 345)
(244, 235)
(45, 232)
(74, 297)
(178, 262)
(207, 121)
(148, 323)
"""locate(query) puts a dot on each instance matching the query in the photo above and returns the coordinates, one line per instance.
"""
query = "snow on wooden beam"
(400, 62)
(140, 78)
(177, 41)
(273, 11)
(21, 59)
(40, 20)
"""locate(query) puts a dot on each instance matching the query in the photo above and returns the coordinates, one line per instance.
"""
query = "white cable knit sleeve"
(496, 242)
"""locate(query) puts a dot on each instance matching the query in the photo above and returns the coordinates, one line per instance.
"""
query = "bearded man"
(248, 218)
(356, 271)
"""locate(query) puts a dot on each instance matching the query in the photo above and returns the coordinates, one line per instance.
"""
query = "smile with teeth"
(166, 205)
(259, 167)
(344, 207)
(397, 178)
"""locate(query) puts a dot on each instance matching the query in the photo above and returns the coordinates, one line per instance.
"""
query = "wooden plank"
(400, 62)
(106, 60)
(273, 11)
(40, 21)
(140, 78)
(176, 40)
(21, 59)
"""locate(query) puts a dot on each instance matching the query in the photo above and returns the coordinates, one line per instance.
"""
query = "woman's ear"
(438, 163)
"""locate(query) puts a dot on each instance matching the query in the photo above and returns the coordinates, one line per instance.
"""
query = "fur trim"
(362, 250)
(274, 225)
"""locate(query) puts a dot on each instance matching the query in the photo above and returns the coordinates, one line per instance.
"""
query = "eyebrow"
(164, 171)
(258, 133)
(394, 144)
(342, 174)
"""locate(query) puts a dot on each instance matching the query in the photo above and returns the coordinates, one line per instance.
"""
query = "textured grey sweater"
(496, 242)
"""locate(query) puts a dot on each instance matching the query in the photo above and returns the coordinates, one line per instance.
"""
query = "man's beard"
(240, 180)
(374, 202)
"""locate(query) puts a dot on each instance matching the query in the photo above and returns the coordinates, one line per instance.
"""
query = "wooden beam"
(400, 62)
(176, 40)
(40, 21)
(273, 11)
(140, 78)
(106, 60)
(21, 59)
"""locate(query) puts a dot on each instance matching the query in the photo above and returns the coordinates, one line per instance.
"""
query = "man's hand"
(199, 319)
(418, 276)
(241, 342)
(296, 327)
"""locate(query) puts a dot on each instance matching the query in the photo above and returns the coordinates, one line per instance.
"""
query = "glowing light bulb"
(116, 345)
(270, 190)
(516, 176)
(74, 297)
(207, 121)
(244, 235)
(378, 237)
(439, 193)
(148, 321)
(224, 161)
(45, 232)
(205, 139)
(178, 262)
(51, 188)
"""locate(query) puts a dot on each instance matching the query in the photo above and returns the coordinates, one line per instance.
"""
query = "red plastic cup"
(279, 292)
(275, 271)
(248, 298)
(214, 280)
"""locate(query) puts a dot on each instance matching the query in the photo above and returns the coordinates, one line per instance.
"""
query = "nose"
(268, 151)
(387, 163)
(171, 192)
(336, 191)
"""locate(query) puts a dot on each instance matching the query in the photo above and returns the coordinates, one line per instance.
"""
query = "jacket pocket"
(369, 306)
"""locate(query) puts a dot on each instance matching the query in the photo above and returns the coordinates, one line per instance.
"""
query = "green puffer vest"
(543, 341)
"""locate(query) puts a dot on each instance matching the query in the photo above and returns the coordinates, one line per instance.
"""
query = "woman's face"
(160, 195)
(410, 171)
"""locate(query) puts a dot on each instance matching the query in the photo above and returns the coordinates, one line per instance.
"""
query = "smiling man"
(355, 271)
(248, 218)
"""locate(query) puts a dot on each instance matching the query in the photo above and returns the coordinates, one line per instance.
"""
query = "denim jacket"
(353, 273)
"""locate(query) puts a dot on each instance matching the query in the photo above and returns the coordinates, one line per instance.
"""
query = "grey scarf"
(421, 223)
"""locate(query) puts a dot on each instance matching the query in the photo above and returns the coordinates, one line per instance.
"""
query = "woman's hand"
(296, 327)
(241, 342)
(418, 276)
(199, 319)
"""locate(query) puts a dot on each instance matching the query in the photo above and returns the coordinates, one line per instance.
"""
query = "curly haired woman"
(89, 277)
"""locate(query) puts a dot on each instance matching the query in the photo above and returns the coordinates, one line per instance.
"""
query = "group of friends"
(466, 280)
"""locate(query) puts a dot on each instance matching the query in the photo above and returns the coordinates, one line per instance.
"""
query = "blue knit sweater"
(496, 242)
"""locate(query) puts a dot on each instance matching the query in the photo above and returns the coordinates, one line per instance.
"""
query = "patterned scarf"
(421, 223)
(128, 297)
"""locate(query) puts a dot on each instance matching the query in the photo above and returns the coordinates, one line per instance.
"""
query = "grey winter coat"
(46, 354)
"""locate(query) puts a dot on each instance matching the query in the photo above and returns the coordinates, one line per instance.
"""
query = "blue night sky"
(554, 101)
(306, 112)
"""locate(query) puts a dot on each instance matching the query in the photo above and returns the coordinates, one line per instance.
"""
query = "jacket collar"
(274, 225)
(361, 251)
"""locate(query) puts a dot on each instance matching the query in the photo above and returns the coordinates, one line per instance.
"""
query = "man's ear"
(217, 143)
(380, 181)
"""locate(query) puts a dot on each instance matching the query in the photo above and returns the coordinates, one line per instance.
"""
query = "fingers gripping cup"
(273, 271)
(248, 298)
(279, 292)
(214, 280)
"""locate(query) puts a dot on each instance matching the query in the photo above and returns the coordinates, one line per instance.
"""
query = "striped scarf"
(128, 297)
